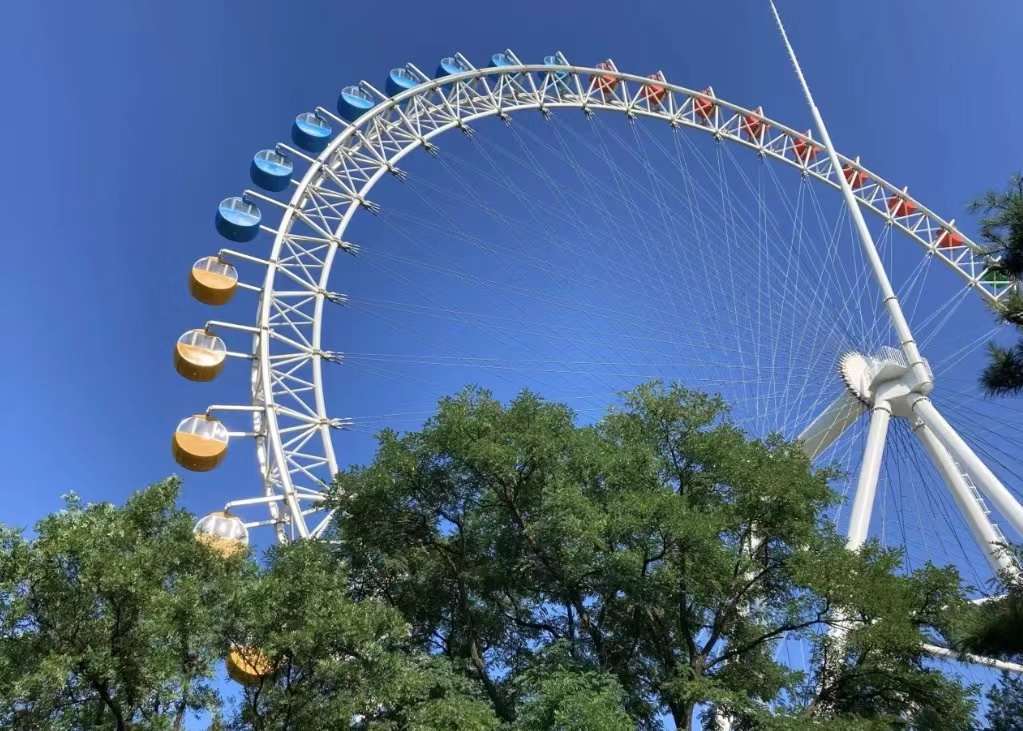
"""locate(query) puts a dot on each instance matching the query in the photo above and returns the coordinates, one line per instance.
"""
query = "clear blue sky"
(125, 124)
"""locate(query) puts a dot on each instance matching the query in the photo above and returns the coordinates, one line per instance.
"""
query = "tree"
(648, 563)
(108, 617)
(501, 568)
(337, 663)
(995, 629)
(1006, 704)
(1001, 227)
(116, 618)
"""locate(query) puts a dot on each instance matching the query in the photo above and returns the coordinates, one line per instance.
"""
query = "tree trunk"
(682, 715)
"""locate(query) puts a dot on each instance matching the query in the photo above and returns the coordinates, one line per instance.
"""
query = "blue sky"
(127, 123)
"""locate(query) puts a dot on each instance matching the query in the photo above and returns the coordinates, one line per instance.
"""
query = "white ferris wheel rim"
(411, 120)
(379, 139)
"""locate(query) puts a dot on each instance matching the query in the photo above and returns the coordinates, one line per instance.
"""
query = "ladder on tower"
(980, 501)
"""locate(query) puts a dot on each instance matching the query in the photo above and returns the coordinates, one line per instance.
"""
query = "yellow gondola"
(200, 443)
(199, 355)
(224, 533)
(213, 281)
(247, 665)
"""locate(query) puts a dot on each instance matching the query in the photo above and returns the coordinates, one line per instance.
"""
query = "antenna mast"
(909, 347)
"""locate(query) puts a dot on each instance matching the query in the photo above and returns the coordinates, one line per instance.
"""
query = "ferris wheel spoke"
(573, 273)
(568, 303)
(934, 324)
(707, 232)
(576, 256)
(576, 273)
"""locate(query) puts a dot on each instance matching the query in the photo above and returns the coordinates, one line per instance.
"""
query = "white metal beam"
(990, 662)
(986, 480)
(870, 469)
(987, 536)
(891, 302)
(831, 424)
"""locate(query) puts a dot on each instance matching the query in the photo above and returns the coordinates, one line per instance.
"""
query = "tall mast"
(924, 379)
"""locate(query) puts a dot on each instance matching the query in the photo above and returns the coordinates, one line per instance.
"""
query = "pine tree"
(1001, 226)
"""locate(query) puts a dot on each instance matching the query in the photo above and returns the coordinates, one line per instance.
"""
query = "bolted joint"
(368, 205)
(336, 297)
(331, 356)
(430, 148)
(345, 246)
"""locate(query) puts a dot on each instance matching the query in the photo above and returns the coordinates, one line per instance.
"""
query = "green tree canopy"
(108, 617)
(995, 629)
(116, 618)
(657, 556)
(338, 663)
(502, 568)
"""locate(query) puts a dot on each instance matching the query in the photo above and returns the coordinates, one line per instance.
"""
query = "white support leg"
(831, 424)
(987, 536)
(1012, 667)
(870, 469)
(990, 485)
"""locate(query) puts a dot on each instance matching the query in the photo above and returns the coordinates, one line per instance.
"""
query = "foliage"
(659, 548)
(108, 617)
(1002, 224)
(503, 567)
(334, 659)
(1006, 701)
(995, 628)
(1001, 227)
(1003, 374)
(116, 618)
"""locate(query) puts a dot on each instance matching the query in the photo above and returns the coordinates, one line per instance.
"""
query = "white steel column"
(990, 485)
(1012, 667)
(870, 469)
(831, 424)
(984, 532)
(909, 346)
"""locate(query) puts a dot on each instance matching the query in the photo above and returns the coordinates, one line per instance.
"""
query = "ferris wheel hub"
(885, 377)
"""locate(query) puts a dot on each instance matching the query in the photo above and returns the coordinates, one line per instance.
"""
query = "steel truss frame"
(899, 385)
(290, 423)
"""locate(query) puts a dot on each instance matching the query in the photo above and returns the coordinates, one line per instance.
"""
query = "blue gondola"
(449, 67)
(353, 103)
(237, 219)
(555, 61)
(311, 132)
(400, 80)
(271, 170)
(501, 59)
(560, 77)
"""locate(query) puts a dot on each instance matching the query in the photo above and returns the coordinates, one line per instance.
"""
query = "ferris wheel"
(701, 240)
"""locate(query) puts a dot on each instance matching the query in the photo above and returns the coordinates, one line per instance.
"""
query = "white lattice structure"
(291, 424)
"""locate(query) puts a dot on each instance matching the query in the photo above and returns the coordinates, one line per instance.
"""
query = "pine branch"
(1010, 310)
(1003, 375)
(1001, 226)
